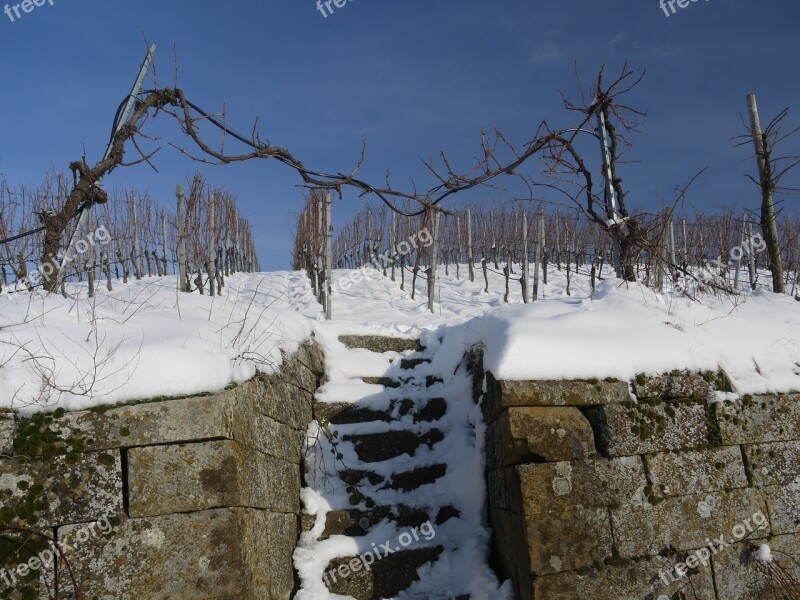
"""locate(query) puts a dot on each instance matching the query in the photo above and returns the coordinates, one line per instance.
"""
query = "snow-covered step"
(345, 413)
(387, 382)
(402, 481)
(379, 447)
(357, 523)
(380, 344)
(408, 364)
(386, 417)
(407, 481)
(386, 577)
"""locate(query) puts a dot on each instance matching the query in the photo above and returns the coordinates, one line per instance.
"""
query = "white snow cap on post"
(765, 553)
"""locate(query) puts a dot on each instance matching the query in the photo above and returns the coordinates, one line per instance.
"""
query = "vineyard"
(722, 253)
(133, 235)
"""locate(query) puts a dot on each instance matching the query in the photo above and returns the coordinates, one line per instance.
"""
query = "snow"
(626, 329)
(765, 553)
(145, 340)
(620, 330)
(462, 567)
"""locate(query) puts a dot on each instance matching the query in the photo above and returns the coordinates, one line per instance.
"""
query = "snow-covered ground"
(620, 330)
(145, 340)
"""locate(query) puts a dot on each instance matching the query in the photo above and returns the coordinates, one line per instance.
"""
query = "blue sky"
(412, 78)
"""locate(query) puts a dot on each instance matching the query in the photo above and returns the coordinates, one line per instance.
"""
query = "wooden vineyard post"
(183, 279)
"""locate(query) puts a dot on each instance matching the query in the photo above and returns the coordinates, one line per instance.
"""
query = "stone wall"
(621, 490)
(176, 498)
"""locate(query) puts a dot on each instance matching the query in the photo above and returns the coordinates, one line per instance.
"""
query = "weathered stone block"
(61, 490)
(757, 419)
(167, 422)
(576, 485)
(219, 554)
(7, 431)
(24, 561)
(282, 536)
(498, 482)
(347, 578)
(524, 434)
(678, 384)
(774, 464)
(784, 507)
(741, 575)
(260, 432)
(503, 394)
(284, 400)
(685, 522)
(629, 580)
(568, 541)
(191, 477)
(380, 343)
(697, 471)
(232, 414)
(509, 530)
(285, 481)
(311, 356)
(631, 428)
(284, 397)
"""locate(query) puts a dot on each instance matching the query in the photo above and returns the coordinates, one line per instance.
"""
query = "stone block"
(686, 522)
(498, 482)
(284, 399)
(232, 414)
(62, 490)
(568, 486)
(625, 580)
(387, 578)
(695, 471)
(568, 541)
(191, 477)
(311, 356)
(525, 434)
(678, 384)
(784, 507)
(380, 343)
(286, 395)
(282, 534)
(509, 531)
(503, 394)
(646, 427)
(774, 464)
(7, 431)
(741, 575)
(219, 554)
(759, 419)
(152, 423)
(265, 434)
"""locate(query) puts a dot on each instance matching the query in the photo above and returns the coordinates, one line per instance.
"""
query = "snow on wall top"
(145, 340)
(623, 330)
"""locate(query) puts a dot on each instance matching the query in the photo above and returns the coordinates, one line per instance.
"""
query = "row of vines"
(480, 237)
(133, 235)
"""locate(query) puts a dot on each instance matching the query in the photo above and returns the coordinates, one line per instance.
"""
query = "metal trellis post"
(610, 192)
(69, 253)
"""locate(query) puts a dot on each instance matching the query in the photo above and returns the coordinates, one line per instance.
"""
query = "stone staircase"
(389, 471)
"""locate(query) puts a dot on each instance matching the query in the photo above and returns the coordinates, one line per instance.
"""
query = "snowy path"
(395, 474)
(410, 474)
(619, 330)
